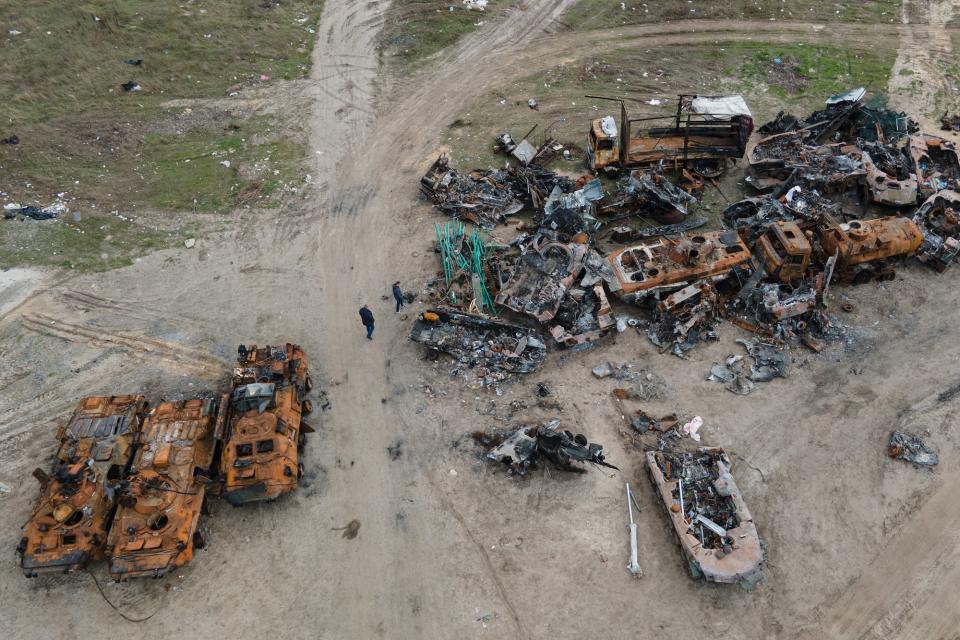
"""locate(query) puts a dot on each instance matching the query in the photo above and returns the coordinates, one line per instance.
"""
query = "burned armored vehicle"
(69, 522)
(717, 536)
(265, 431)
(666, 264)
(155, 529)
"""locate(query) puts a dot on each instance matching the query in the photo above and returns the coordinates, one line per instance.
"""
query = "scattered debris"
(14, 139)
(13, 210)
(526, 447)
(909, 447)
(189, 243)
(130, 85)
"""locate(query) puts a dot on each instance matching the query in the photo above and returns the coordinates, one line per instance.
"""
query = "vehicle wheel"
(863, 277)
(301, 440)
(308, 384)
(306, 407)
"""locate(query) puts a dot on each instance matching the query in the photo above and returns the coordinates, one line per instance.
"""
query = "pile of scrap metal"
(128, 482)
(527, 446)
(651, 194)
(845, 117)
(939, 219)
(849, 144)
(560, 284)
(906, 446)
(482, 197)
(486, 352)
(717, 535)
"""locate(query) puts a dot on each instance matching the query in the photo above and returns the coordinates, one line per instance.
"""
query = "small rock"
(603, 370)
(189, 243)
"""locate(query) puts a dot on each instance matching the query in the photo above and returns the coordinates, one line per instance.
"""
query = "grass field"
(416, 29)
(62, 66)
(595, 14)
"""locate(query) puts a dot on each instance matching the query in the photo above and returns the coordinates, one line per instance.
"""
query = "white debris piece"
(692, 428)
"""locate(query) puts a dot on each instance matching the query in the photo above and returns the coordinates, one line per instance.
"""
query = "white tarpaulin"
(720, 107)
(609, 126)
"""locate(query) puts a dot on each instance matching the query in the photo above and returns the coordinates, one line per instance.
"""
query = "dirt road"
(446, 546)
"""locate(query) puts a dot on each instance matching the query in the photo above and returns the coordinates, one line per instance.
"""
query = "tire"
(308, 384)
(307, 407)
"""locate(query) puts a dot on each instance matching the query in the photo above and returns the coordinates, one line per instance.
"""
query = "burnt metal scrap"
(155, 529)
(939, 219)
(480, 197)
(70, 520)
(718, 538)
(653, 194)
(528, 446)
(490, 351)
(906, 446)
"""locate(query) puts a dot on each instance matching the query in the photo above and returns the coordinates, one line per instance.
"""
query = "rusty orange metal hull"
(260, 459)
(153, 531)
(69, 522)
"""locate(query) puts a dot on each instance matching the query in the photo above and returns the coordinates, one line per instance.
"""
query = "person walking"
(366, 316)
(398, 295)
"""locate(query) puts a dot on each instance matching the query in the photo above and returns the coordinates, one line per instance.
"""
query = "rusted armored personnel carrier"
(717, 536)
(668, 264)
(69, 522)
(265, 431)
(155, 529)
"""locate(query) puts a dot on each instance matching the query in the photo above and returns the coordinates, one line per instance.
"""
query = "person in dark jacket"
(367, 317)
(398, 295)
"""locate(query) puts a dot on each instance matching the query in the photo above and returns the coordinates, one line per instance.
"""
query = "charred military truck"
(266, 430)
(857, 251)
(155, 529)
(69, 523)
(704, 132)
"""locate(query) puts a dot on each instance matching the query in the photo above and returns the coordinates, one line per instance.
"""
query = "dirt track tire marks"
(136, 345)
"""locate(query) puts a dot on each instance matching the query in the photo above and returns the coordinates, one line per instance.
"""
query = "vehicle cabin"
(704, 131)
(785, 251)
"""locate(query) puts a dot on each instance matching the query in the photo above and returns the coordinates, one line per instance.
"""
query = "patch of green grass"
(826, 70)
(417, 29)
(597, 14)
(94, 243)
(81, 133)
(71, 57)
(197, 172)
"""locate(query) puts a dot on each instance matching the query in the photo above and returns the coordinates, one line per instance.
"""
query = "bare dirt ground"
(859, 546)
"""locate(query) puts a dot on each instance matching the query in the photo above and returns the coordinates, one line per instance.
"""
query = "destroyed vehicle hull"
(774, 160)
(265, 431)
(69, 522)
(693, 135)
(154, 530)
(667, 265)
(718, 551)
(939, 219)
(937, 163)
(478, 342)
(542, 276)
(864, 247)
